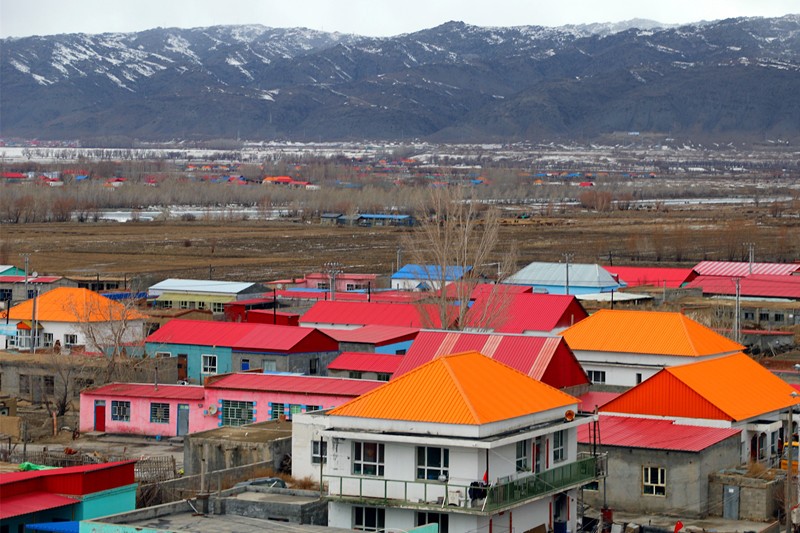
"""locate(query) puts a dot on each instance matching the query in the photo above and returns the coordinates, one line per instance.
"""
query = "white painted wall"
(621, 367)
(134, 332)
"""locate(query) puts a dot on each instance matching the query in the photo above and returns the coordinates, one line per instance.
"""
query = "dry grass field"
(268, 250)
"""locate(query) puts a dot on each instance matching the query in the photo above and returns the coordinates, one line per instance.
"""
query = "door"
(730, 502)
(182, 367)
(183, 419)
(99, 415)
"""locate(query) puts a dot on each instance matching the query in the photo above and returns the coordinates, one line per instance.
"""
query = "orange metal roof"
(463, 388)
(729, 388)
(646, 332)
(69, 304)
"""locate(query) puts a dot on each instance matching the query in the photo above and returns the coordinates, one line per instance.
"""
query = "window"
(237, 413)
(183, 304)
(166, 304)
(654, 481)
(159, 413)
(368, 458)
(217, 307)
(369, 518)
(400, 352)
(70, 339)
(209, 364)
(383, 377)
(593, 486)
(31, 294)
(277, 410)
(201, 305)
(313, 366)
(597, 376)
(245, 364)
(310, 408)
(319, 452)
(294, 409)
(523, 456)
(779, 317)
(323, 285)
(48, 340)
(749, 315)
(638, 377)
(432, 462)
(434, 518)
(763, 316)
(120, 411)
(5, 295)
(354, 375)
(49, 385)
(269, 366)
(24, 384)
(163, 355)
(559, 453)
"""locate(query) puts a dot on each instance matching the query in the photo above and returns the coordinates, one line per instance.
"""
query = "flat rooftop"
(226, 523)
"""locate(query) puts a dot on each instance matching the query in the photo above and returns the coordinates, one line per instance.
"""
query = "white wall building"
(462, 441)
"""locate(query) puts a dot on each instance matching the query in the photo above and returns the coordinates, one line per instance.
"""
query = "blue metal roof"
(62, 527)
(430, 272)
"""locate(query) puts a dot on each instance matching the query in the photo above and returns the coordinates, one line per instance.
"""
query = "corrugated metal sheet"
(520, 313)
(297, 384)
(580, 275)
(148, 390)
(242, 336)
(654, 277)
(372, 334)
(430, 272)
(740, 268)
(595, 399)
(646, 332)
(69, 304)
(21, 279)
(32, 502)
(55, 527)
(363, 313)
(730, 388)
(532, 355)
(366, 362)
(647, 433)
(757, 285)
(467, 388)
(199, 285)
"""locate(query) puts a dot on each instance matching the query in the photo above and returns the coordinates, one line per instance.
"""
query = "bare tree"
(456, 237)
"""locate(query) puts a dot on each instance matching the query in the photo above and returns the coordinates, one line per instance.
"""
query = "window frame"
(523, 456)
(217, 307)
(362, 463)
(237, 412)
(120, 411)
(597, 376)
(316, 456)
(426, 469)
(427, 517)
(657, 487)
(360, 518)
(206, 366)
(276, 410)
(68, 337)
(159, 413)
(49, 385)
(559, 446)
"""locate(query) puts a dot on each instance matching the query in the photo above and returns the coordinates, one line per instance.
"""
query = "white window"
(277, 410)
(163, 355)
(597, 376)
(217, 307)
(524, 456)
(201, 305)
(209, 364)
(433, 462)
(319, 452)
(121, 411)
(183, 304)
(369, 518)
(368, 459)
(237, 413)
(166, 304)
(654, 481)
(159, 413)
(48, 340)
(70, 339)
(559, 452)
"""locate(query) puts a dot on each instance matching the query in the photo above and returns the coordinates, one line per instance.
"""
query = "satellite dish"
(212, 409)
(569, 415)
(34, 274)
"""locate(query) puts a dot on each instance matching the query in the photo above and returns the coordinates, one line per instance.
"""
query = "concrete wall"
(224, 453)
(759, 498)
(687, 476)
(11, 426)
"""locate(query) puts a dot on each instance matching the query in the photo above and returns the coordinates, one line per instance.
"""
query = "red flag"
(486, 476)
(678, 526)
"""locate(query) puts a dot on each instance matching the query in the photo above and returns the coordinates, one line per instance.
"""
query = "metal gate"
(730, 502)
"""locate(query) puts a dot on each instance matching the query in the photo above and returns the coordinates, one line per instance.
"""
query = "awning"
(26, 325)
(32, 502)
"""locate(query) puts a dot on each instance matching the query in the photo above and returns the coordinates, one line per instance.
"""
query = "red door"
(100, 415)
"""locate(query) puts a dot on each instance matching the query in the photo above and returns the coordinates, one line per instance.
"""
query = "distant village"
(563, 398)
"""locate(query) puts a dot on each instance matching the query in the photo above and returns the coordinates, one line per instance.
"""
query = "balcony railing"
(473, 498)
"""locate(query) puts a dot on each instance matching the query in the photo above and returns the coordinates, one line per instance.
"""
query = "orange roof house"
(463, 436)
(67, 316)
(626, 347)
(732, 391)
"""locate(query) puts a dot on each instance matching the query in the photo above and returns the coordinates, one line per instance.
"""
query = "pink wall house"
(225, 400)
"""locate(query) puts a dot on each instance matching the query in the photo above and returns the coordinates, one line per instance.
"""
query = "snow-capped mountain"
(731, 78)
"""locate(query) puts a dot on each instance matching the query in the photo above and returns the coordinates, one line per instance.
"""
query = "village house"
(426, 277)
(201, 294)
(365, 365)
(210, 348)
(566, 278)
(16, 288)
(374, 338)
(523, 312)
(483, 447)
(620, 348)
(351, 315)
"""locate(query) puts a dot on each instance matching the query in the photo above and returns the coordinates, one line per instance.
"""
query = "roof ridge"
(695, 391)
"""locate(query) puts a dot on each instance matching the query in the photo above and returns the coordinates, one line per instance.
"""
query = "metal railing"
(470, 498)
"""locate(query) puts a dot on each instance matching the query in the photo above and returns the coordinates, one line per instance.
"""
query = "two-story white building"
(463, 441)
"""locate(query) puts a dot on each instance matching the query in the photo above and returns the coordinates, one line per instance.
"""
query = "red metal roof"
(366, 362)
(756, 285)
(297, 384)
(593, 399)
(648, 433)
(363, 313)
(32, 502)
(244, 336)
(149, 390)
(373, 334)
(547, 359)
(656, 277)
(520, 313)
(740, 268)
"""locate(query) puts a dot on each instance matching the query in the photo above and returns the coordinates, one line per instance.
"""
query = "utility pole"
(333, 268)
(736, 324)
(26, 256)
(567, 258)
(751, 249)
